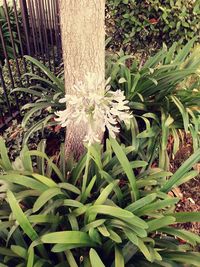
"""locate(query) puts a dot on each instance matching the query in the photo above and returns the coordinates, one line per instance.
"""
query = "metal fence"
(27, 27)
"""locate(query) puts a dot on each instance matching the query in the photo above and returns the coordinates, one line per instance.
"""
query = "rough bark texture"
(83, 37)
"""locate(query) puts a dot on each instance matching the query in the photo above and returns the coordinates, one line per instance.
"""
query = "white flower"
(95, 105)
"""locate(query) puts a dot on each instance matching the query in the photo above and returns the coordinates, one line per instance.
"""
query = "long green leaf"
(105, 193)
(45, 180)
(67, 237)
(49, 74)
(191, 238)
(185, 167)
(119, 259)
(4, 156)
(95, 259)
(160, 222)
(21, 217)
(184, 217)
(141, 202)
(126, 166)
(45, 197)
(23, 180)
(70, 258)
(158, 205)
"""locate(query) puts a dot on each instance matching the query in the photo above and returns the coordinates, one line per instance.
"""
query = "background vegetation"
(135, 24)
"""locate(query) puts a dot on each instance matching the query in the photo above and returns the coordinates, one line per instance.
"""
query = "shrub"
(162, 101)
(108, 210)
(148, 24)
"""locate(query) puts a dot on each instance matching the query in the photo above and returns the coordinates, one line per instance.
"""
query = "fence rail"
(27, 27)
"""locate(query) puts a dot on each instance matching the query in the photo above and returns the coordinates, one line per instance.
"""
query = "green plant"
(106, 211)
(22, 81)
(18, 80)
(46, 90)
(148, 24)
(162, 101)
(6, 33)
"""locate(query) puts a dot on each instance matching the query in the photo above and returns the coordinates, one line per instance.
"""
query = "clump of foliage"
(22, 81)
(6, 34)
(107, 210)
(148, 24)
(161, 99)
(46, 92)
(18, 79)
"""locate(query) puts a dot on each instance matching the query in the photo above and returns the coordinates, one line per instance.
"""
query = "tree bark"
(83, 42)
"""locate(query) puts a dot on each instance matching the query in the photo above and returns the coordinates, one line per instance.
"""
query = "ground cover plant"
(160, 98)
(108, 210)
(146, 25)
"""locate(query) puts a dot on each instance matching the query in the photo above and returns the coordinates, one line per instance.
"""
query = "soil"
(190, 191)
(190, 202)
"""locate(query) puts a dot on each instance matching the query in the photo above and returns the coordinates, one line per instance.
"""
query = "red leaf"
(153, 21)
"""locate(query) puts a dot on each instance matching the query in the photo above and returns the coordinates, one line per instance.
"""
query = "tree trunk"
(83, 42)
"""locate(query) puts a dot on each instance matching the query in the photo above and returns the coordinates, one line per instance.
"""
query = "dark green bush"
(137, 24)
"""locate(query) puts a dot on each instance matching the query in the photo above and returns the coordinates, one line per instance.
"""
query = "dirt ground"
(190, 191)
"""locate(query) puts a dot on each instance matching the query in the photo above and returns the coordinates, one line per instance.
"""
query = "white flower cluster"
(97, 108)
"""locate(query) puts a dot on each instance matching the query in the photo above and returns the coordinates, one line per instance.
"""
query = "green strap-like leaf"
(188, 259)
(67, 237)
(185, 167)
(141, 202)
(45, 197)
(50, 163)
(20, 251)
(191, 238)
(23, 180)
(49, 74)
(40, 219)
(105, 193)
(26, 159)
(69, 187)
(6, 164)
(45, 180)
(92, 225)
(70, 258)
(21, 217)
(95, 259)
(158, 205)
(184, 217)
(119, 258)
(126, 166)
(160, 222)
(108, 178)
